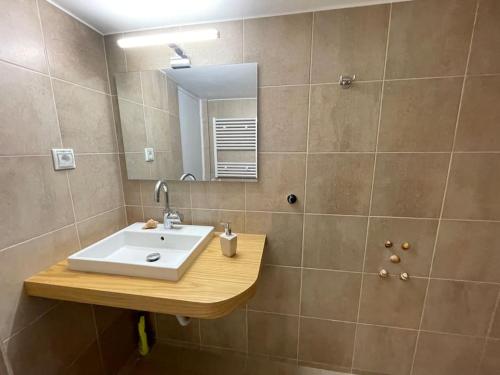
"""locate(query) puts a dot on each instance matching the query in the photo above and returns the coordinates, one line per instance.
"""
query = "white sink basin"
(126, 252)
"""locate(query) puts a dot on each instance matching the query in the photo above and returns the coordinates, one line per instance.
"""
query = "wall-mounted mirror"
(197, 123)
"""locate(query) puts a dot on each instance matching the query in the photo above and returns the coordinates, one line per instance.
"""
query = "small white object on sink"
(153, 253)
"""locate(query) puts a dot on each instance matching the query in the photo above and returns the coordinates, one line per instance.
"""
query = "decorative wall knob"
(404, 276)
(405, 245)
(394, 258)
(383, 273)
(292, 198)
(388, 244)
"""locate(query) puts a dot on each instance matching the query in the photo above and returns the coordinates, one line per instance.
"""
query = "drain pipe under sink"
(183, 320)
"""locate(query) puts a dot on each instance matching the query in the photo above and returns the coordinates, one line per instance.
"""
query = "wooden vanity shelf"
(212, 287)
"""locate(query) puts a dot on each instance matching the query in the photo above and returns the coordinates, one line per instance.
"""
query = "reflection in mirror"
(197, 123)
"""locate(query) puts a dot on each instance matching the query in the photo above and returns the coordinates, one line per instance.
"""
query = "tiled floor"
(165, 359)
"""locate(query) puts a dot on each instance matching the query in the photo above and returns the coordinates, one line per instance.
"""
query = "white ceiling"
(113, 16)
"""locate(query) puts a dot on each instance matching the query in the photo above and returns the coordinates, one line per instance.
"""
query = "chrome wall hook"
(346, 81)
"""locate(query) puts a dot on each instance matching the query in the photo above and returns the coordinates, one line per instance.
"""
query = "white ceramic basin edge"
(126, 251)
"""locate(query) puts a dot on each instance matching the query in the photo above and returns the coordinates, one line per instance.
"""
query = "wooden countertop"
(212, 287)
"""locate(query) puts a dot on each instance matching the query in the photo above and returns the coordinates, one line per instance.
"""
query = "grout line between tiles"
(142, 203)
(443, 201)
(488, 333)
(57, 120)
(115, 132)
(3, 354)
(97, 336)
(31, 323)
(372, 185)
(305, 185)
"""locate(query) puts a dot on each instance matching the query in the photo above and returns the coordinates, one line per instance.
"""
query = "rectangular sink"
(154, 253)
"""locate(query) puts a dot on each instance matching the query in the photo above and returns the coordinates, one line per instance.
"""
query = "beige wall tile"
(344, 120)
(392, 302)
(96, 228)
(485, 53)
(384, 350)
(334, 242)
(461, 354)
(284, 236)
(169, 328)
(459, 307)
(326, 342)
(279, 175)
(173, 97)
(473, 187)
(288, 36)
(75, 52)
(350, 41)
(178, 194)
(495, 327)
(283, 114)
(339, 183)
(118, 124)
(133, 127)
(467, 251)
(3, 368)
(131, 188)
(278, 290)
(164, 133)
(137, 168)
(216, 217)
(419, 233)
(34, 195)
(96, 185)
(274, 335)
(409, 185)
(419, 115)
(17, 263)
(128, 86)
(27, 108)
(72, 319)
(20, 34)
(88, 363)
(228, 49)
(330, 294)
(490, 364)
(227, 332)
(105, 316)
(154, 88)
(119, 342)
(446, 28)
(134, 214)
(85, 118)
(218, 195)
(167, 163)
(480, 115)
(115, 59)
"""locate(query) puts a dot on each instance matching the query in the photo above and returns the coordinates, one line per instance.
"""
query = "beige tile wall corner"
(409, 153)
(55, 93)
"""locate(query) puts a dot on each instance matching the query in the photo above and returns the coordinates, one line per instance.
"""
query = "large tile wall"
(55, 93)
(410, 153)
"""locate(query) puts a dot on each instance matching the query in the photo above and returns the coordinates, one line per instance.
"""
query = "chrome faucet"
(170, 216)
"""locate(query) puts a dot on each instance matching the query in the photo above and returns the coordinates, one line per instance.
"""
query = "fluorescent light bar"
(168, 38)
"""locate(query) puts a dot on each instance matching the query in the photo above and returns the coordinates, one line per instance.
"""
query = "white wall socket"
(63, 158)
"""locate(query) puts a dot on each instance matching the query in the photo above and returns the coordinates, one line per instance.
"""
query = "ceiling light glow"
(168, 38)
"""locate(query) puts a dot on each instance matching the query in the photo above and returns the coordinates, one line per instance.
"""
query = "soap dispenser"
(228, 241)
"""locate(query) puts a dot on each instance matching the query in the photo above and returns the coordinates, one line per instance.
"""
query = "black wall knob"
(292, 198)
